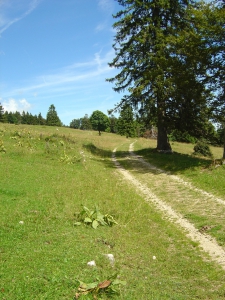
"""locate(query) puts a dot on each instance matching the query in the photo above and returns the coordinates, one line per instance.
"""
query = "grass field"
(48, 173)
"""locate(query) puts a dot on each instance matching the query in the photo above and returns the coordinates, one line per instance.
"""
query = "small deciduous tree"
(99, 121)
(52, 118)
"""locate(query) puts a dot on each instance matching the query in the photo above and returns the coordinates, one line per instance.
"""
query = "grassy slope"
(46, 256)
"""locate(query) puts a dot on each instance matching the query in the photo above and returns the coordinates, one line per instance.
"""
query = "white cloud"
(67, 77)
(106, 5)
(14, 11)
(13, 105)
(100, 27)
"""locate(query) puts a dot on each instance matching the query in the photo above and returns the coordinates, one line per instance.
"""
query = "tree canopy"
(125, 123)
(52, 118)
(163, 60)
(99, 121)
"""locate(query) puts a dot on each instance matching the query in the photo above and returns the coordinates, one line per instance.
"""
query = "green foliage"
(24, 118)
(221, 134)
(112, 124)
(75, 123)
(107, 287)
(40, 120)
(94, 218)
(125, 123)
(69, 159)
(183, 137)
(52, 118)
(85, 123)
(165, 81)
(99, 121)
(202, 149)
(1, 113)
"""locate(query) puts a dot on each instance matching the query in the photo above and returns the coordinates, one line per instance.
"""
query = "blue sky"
(57, 52)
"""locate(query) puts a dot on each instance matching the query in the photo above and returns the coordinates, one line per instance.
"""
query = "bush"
(202, 149)
(183, 137)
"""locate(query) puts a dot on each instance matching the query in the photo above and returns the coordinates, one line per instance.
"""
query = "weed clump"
(94, 218)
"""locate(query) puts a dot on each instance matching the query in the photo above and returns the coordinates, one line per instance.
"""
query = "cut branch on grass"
(108, 286)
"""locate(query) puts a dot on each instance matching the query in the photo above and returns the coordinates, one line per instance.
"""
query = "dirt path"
(171, 183)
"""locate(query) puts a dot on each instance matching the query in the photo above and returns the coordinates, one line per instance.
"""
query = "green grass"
(44, 257)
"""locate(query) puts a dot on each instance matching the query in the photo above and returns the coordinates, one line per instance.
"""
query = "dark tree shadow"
(100, 154)
(174, 162)
(97, 151)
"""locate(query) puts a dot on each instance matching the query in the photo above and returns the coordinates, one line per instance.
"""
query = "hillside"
(48, 173)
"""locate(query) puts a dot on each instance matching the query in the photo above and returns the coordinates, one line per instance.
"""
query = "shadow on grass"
(97, 151)
(104, 154)
(173, 163)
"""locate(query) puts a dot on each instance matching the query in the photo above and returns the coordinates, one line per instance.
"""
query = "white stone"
(91, 263)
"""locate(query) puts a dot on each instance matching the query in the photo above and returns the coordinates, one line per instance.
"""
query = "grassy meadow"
(48, 173)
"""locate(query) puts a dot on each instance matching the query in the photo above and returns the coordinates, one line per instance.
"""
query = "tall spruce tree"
(215, 33)
(52, 118)
(154, 65)
(210, 25)
(40, 119)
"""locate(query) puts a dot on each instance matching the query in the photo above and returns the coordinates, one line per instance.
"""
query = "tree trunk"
(163, 144)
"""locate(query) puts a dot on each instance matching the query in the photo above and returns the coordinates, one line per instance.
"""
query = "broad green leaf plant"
(94, 218)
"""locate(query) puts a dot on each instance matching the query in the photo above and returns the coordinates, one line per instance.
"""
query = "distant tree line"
(131, 124)
(51, 119)
(128, 124)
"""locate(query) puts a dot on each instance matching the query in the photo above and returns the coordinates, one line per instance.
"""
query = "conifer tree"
(155, 70)
(40, 119)
(52, 118)
(75, 123)
(85, 123)
(125, 122)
